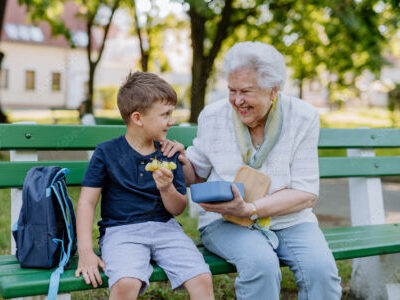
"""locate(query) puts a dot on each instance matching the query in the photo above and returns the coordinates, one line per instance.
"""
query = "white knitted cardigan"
(292, 163)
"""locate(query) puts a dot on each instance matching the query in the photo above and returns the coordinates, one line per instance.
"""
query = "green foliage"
(107, 96)
(394, 98)
(394, 105)
(334, 41)
(150, 26)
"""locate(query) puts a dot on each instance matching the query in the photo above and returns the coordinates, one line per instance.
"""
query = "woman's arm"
(283, 202)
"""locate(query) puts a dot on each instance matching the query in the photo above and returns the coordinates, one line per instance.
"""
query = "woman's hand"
(169, 148)
(236, 207)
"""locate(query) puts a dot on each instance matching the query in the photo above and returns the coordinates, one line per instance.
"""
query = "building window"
(29, 80)
(55, 81)
(4, 79)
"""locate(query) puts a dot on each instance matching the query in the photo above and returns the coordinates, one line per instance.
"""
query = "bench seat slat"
(345, 243)
(13, 279)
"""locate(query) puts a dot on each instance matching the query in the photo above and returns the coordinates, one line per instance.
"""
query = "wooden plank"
(335, 167)
(359, 138)
(345, 243)
(22, 136)
(72, 137)
(12, 174)
(18, 282)
(183, 134)
(108, 121)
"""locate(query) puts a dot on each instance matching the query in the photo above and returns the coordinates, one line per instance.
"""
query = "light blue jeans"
(302, 247)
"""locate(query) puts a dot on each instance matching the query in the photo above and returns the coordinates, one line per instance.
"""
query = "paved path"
(334, 200)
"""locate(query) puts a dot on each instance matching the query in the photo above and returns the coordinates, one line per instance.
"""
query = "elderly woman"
(277, 135)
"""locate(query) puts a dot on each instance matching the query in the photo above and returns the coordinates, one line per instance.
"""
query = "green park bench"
(368, 236)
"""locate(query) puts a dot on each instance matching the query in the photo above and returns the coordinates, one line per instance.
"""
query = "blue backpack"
(45, 233)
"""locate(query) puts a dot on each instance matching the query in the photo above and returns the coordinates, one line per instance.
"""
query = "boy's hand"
(88, 266)
(163, 179)
(169, 148)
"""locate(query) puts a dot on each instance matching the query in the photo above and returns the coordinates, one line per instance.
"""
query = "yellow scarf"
(272, 131)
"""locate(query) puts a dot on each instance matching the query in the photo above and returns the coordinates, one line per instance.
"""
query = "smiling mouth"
(243, 110)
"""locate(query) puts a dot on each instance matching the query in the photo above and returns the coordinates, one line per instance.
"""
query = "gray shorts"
(126, 251)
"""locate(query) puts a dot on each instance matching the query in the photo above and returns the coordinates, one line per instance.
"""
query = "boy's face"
(157, 120)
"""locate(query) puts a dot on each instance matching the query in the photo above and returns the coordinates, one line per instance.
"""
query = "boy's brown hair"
(140, 91)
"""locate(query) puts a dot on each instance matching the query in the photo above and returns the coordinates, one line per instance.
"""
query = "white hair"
(263, 58)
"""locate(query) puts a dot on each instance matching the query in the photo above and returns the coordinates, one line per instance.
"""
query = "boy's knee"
(126, 288)
(200, 285)
(204, 280)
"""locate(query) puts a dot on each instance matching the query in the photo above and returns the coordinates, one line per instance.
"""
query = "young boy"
(138, 206)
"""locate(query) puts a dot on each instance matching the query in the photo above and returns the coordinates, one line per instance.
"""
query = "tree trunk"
(198, 89)
(199, 81)
(87, 105)
(202, 62)
(89, 100)
(3, 117)
(301, 83)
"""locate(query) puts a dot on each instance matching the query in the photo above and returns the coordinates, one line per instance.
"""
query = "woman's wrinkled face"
(250, 101)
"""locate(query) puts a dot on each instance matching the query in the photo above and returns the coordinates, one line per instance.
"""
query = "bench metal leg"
(374, 277)
(194, 208)
(16, 194)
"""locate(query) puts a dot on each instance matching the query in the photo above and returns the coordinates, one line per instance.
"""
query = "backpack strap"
(69, 207)
(55, 275)
(59, 175)
(65, 209)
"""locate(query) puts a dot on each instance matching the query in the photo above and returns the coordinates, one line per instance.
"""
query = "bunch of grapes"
(156, 164)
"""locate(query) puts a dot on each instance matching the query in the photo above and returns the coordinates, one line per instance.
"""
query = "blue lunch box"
(214, 191)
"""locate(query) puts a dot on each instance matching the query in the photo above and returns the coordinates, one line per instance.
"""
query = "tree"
(51, 11)
(150, 25)
(3, 116)
(211, 23)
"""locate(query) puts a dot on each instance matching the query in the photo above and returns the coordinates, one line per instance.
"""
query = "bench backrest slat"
(359, 138)
(335, 167)
(12, 174)
(72, 137)
(78, 137)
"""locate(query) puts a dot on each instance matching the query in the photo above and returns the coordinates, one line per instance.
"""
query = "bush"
(107, 96)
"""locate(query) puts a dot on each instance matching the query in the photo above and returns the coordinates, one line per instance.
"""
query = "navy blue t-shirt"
(129, 193)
